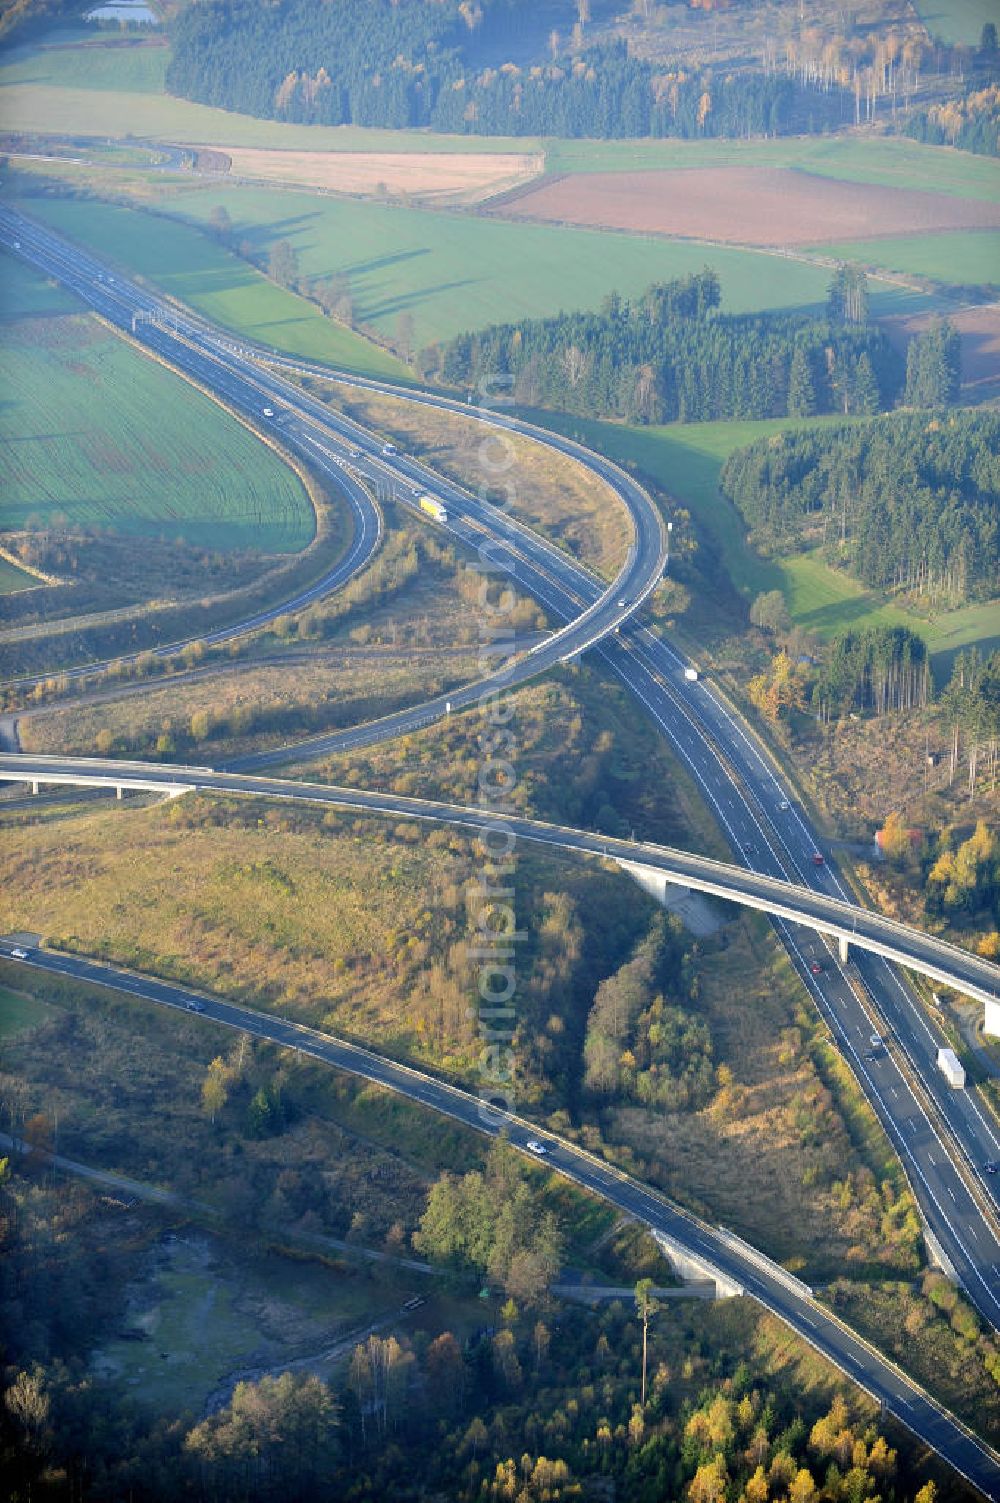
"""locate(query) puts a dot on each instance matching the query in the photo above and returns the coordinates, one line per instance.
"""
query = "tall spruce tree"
(933, 367)
(865, 397)
(801, 392)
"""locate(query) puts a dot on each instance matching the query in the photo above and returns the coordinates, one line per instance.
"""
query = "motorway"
(740, 1268)
(349, 454)
(861, 927)
(936, 1131)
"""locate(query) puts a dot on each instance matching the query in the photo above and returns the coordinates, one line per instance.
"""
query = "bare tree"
(646, 1306)
(574, 362)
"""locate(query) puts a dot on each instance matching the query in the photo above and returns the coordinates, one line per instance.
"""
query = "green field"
(956, 20)
(960, 257)
(13, 579)
(90, 63)
(194, 268)
(20, 1014)
(686, 459)
(885, 161)
(93, 90)
(94, 431)
(90, 89)
(450, 272)
(457, 271)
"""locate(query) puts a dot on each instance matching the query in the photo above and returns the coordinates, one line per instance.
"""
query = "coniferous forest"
(671, 356)
(440, 63)
(912, 500)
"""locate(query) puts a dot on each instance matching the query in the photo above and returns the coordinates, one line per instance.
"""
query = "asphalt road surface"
(745, 1270)
(943, 1137)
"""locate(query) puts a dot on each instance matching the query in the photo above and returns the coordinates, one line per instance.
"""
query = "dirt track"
(747, 205)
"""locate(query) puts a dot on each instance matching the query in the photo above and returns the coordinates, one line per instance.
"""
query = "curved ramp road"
(868, 930)
(338, 446)
(742, 787)
(943, 1137)
(738, 1267)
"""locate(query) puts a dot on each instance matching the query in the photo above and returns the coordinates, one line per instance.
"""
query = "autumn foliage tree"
(894, 838)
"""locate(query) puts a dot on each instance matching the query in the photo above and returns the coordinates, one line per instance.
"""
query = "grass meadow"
(303, 920)
(962, 257)
(90, 89)
(686, 460)
(346, 687)
(99, 434)
(193, 267)
(884, 161)
(448, 271)
(13, 579)
(956, 21)
(20, 1013)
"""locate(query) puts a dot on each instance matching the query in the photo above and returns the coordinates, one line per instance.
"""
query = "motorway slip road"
(737, 1264)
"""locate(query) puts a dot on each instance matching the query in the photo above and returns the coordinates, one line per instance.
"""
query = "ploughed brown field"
(746, 205)
(980, 331)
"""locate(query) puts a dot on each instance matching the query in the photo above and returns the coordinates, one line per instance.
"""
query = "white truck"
(434, 508)
(691, 674)
(951, 1068)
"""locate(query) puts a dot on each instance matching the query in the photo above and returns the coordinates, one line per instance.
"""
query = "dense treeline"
(971, 702)
(913, 503)
(962, 880)
(881, 668)
(21, 17)
(671, 356)
(642, 1046)
(607, 93)
(934, 366)
(494, 1224)
(404, 63)
(971, 122)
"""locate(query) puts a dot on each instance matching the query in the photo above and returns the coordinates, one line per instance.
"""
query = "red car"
(816, 968)
(817, 859)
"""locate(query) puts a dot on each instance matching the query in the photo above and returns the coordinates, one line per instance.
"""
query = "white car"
(784, 805)
(268, 412)
(18, 954)
(388, 448)
(196, 1007)
(533, 1146)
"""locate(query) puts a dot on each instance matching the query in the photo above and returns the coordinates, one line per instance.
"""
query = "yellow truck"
(434, 508)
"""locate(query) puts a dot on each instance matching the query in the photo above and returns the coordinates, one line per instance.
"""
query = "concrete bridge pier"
(845, 949)
(695, 1270)
(34, 787)
(695, 911)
